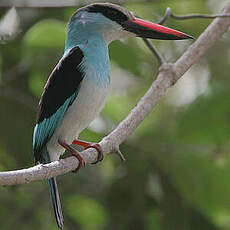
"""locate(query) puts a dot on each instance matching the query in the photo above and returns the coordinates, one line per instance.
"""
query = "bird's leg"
(87, 145)
(73, 153)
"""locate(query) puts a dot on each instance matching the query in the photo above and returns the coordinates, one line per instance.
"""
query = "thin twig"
(160, 59)
(169, 13)
(196, 16)
(155, 52)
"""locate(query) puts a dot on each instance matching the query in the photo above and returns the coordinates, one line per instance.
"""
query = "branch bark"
(167, 77)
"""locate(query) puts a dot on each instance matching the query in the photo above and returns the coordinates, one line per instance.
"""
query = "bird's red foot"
(73, 153)
(87, 145)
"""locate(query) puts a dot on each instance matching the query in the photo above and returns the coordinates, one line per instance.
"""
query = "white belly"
(86, 107)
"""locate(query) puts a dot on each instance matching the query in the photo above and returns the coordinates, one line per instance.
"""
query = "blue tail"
(56, 202)
(45, 158)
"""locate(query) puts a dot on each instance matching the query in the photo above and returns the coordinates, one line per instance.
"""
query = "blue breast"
(95, 63)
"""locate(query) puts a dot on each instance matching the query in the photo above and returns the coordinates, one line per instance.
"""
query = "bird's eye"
(113, 13)
(132, 14)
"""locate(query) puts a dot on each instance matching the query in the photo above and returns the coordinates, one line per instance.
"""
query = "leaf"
(201, 182)
(126, 56)
(86, 211)
(0, 69)
(36, 82)
(47, 33)
(207, 119)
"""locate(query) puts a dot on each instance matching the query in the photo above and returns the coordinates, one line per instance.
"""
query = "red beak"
(146, 29)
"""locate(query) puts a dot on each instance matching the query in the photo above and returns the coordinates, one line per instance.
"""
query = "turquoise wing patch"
(45, 129)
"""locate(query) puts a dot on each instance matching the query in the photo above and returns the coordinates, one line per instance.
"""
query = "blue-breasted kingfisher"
(77, 88)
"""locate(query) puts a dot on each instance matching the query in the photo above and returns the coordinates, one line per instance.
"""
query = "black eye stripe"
(109, 12)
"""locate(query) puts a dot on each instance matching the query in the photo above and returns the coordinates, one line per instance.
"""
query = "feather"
(60, 91)
(56, 202)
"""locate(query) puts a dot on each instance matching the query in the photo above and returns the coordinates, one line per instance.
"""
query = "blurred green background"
(177, 173)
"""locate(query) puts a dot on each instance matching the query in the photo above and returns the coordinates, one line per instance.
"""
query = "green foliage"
(37, 36)
(36, 83)
(86, 211)
(130, 59)
(0, 69)
(117, 107)
(209, 116)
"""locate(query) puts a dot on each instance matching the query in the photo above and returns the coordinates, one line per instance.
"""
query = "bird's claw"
(87, 145)
(81, 164)
(74, 153)
(100, 155)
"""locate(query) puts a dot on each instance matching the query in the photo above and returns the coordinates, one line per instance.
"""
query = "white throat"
(114, 32)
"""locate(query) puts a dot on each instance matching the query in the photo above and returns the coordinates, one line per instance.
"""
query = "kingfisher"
(77, 88)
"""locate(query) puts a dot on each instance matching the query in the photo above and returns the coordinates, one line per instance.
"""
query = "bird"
(77, 88)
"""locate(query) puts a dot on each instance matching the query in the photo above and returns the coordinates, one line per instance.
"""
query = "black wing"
(59, 93)
(62, 83)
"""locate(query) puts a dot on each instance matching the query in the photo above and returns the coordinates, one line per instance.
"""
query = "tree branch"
(169, 13)
(159, 58)
(167, 76)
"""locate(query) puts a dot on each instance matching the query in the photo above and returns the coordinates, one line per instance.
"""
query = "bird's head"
(114, 22)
